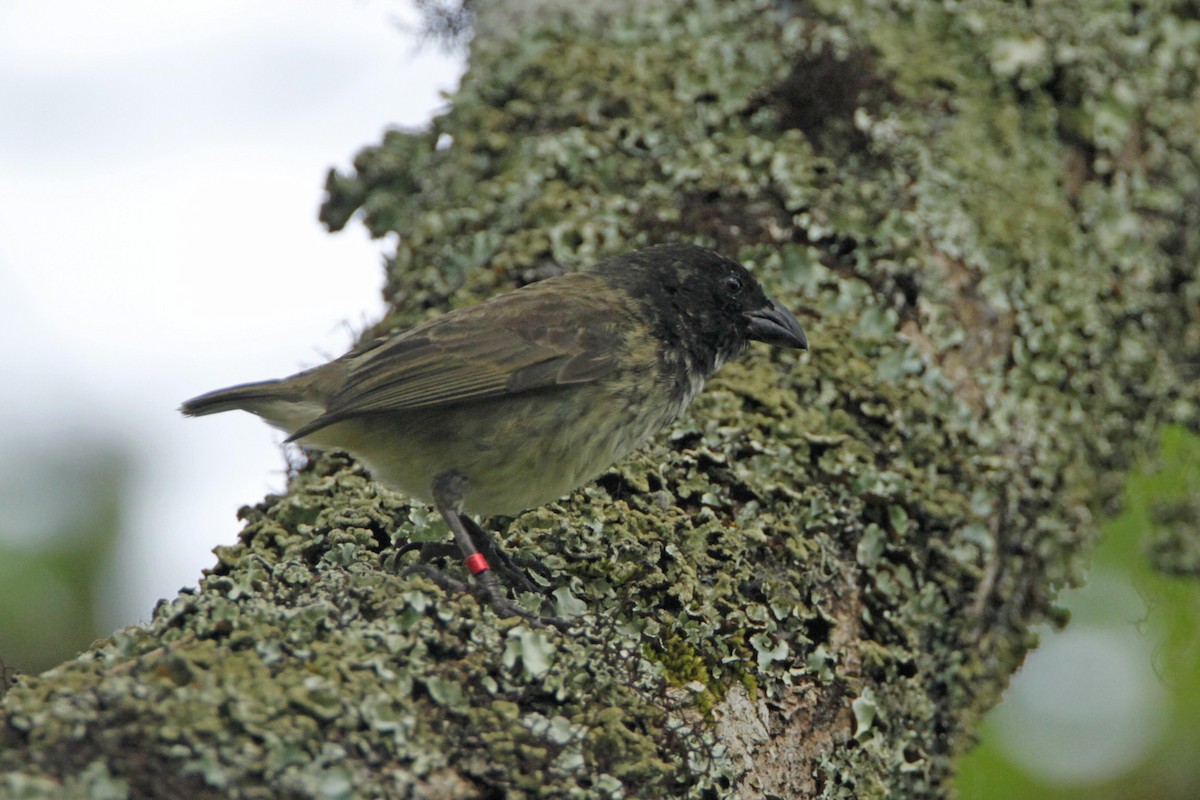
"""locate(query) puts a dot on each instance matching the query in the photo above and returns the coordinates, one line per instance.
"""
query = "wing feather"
(552, 334)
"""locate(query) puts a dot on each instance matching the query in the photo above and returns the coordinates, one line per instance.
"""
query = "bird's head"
(706, 304)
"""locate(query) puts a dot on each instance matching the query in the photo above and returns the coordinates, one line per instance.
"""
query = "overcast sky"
(161, 165)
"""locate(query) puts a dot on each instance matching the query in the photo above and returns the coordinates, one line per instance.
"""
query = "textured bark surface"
(816, 583)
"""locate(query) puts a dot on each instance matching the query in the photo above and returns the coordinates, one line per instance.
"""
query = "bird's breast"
(517, 452)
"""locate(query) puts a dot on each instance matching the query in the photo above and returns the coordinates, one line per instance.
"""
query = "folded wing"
(545, 336)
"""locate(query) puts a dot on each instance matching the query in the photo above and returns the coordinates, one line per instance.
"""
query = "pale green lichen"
(987, 214)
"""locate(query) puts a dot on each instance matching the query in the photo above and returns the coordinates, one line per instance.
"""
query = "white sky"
(161, 166)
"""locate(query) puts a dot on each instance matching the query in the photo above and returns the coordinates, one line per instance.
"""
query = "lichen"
(987, 216)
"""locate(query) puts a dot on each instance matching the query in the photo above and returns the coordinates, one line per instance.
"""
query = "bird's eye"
(734, 284)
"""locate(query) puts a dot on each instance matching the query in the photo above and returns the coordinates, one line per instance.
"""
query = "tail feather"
(288, 404)
(244, 397)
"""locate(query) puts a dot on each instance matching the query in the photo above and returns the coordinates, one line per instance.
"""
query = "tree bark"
(817, 582)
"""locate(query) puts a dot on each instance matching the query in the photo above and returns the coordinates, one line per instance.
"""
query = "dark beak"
(775, 325)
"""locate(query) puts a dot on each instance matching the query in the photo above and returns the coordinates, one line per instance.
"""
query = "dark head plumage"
(708, 306)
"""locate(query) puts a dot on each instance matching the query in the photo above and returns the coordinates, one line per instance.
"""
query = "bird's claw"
(487, 591)
(510, 570)
(428, 550)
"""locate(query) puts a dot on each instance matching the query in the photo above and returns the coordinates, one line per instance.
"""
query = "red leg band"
(476, 563)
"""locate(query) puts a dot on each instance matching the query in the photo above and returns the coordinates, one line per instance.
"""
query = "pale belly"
(515, 454)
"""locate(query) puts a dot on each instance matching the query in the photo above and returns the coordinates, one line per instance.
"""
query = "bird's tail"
(286, 403)
(244, 397)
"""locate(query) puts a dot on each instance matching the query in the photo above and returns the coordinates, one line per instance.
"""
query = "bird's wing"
(557, 333)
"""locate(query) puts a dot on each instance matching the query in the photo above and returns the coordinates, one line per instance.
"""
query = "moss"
(993, 242)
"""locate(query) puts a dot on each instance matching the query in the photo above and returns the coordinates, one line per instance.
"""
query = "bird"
(516, 401)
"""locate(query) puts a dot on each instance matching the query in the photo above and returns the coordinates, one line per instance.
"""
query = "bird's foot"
(511, 571)
(487, 590)
(428, 551)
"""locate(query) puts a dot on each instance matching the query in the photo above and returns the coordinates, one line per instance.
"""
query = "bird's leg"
(514, 572)
(505, 566)
(448, 491)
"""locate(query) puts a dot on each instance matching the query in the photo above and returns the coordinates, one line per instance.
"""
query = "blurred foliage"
(1152, 545)
(61, 514)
